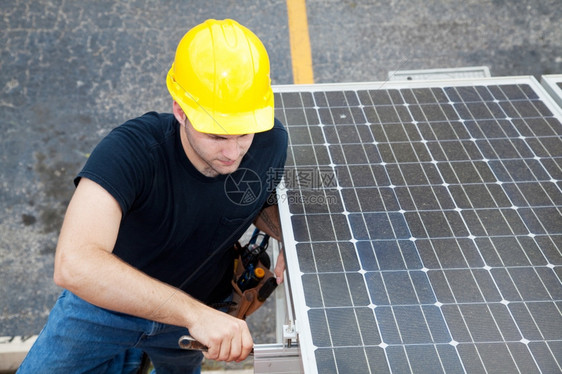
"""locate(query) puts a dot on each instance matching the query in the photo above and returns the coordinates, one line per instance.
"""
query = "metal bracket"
(290, 333)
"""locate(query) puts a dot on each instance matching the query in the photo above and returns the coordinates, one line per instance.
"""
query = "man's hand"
(227, 338)
(280, 268)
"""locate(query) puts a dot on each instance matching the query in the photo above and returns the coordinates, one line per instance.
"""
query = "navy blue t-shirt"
(174, 217)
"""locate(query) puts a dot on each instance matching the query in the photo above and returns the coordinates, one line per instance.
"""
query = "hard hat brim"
(212, 121)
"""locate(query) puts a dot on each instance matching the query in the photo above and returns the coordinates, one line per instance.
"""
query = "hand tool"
(188, 342)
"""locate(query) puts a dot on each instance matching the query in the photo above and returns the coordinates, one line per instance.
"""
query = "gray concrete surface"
(72, 70)
(362, 40)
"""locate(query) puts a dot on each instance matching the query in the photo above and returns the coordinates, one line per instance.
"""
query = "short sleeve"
(120, 164)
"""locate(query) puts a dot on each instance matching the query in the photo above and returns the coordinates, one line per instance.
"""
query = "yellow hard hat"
(220, 78)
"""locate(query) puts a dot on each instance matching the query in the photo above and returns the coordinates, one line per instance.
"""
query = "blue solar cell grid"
(423, 227)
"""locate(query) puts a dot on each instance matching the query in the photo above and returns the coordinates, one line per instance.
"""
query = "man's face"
(214, 154)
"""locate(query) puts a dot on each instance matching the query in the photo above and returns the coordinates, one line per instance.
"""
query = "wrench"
(188, 342)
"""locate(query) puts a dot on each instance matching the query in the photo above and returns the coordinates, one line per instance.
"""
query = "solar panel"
(422, 226)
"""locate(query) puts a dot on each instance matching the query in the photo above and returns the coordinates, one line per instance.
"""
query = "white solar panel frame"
(551, 84)
(293, 268)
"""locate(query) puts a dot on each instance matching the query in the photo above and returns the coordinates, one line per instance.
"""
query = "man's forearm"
(269, 222)
(85, 265)
(104, 280)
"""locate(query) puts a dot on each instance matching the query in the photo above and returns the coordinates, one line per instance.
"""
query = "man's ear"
(178, 112)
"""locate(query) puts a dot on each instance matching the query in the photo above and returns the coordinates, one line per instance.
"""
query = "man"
(144, 250)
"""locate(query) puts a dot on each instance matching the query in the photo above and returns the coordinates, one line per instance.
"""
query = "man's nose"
(232, 149)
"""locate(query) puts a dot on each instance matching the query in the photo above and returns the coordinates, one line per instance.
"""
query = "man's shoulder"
(277, 137)
(278, 127)
(150, 122)
(150, 128)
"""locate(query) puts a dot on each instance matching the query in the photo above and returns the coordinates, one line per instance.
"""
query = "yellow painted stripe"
(300, 42)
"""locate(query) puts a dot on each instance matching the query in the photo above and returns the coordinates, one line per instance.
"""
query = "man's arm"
(269, 222)
(85, 265)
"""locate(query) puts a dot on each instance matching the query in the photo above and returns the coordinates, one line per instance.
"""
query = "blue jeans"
(82, 338)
